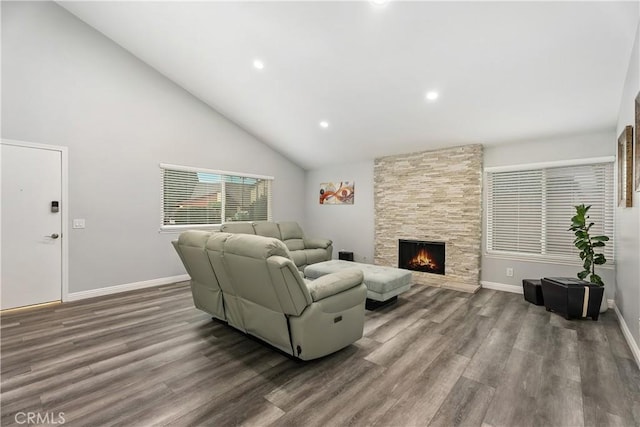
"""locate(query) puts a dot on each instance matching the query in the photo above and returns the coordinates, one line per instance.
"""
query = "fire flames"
(422, 261)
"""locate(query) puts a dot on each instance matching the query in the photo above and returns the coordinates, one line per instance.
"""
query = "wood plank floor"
(436, 358)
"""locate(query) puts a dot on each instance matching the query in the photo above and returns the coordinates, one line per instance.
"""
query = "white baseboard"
(75, 296)
(502, 287)
(633, 345)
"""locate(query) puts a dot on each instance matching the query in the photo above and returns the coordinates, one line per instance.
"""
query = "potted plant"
(575, 298)
(587, 244)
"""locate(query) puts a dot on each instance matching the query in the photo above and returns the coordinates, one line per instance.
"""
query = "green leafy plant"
(587, 244)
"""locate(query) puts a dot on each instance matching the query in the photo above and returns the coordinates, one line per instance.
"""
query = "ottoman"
(383, 283)
(532, 289)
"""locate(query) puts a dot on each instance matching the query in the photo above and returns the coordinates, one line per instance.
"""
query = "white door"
(31, 229)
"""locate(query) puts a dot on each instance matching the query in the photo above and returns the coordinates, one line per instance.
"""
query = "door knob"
(54, 236)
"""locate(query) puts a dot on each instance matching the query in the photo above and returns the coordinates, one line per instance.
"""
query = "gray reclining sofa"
(304, 250)
(252, 283)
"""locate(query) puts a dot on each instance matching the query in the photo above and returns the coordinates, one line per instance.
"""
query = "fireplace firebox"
(418, 255)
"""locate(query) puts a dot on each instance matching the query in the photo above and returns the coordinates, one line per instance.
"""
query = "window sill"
(610, 265)
(176, 229)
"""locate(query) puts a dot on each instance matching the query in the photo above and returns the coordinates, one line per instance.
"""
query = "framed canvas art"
(334, 193)
(625, 167)
(636, 161)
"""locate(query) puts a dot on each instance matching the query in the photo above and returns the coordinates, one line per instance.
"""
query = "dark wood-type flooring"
(435, 358)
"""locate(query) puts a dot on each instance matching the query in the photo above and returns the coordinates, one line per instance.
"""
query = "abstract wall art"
(337, 193)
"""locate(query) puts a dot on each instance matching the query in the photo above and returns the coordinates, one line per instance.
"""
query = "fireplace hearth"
(418, 255)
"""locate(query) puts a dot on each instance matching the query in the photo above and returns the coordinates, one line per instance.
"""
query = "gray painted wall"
(628, 219)
(63, 83)
(349, 226)
(596, 144)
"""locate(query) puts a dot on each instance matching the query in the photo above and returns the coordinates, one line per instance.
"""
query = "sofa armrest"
(334, 283)
(316, 243)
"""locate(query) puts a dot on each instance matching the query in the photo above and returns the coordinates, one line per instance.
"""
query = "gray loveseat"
(304, 250)
(252, 283)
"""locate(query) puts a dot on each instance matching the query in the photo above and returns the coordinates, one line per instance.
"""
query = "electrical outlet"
(509, 272)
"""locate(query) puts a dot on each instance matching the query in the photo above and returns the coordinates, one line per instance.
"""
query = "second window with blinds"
(201, 198)
(529, 210)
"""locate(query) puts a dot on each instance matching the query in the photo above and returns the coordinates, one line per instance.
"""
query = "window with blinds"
(201, 197)
(529, 211)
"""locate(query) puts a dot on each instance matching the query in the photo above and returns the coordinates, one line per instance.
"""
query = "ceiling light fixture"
(324, 124)
(379, 3)
(258, 64)
(432, 95)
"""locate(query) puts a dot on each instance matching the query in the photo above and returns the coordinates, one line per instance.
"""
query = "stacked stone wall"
(432, 196)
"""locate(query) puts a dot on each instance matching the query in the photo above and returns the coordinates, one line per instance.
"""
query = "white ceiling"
(505, 71)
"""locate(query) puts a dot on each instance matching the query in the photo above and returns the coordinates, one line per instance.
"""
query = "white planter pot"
(604, 305)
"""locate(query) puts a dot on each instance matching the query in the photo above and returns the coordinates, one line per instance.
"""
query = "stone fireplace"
(432, 196)
(418, 255)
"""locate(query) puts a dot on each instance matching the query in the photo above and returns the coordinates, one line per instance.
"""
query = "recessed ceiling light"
(324, 124)
(379, 2)
(432, 95)
(258, 64)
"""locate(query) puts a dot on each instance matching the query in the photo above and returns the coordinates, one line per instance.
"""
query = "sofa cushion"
(194, 238)
(315, 255)
(237, 228)
(290, 230)
(299, 258)
(316, 243)
(294, 244)
(332, 284)
(190, 246)
(267, 229)
(215, 242)
(255, 246)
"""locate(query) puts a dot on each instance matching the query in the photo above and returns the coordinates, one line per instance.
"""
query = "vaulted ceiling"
(503, 71)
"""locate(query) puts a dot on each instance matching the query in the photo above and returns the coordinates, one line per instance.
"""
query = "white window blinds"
(203, 197)
(529, 211)
(515, 211)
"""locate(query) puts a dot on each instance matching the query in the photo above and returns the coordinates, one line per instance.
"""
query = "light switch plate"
(78, 223)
